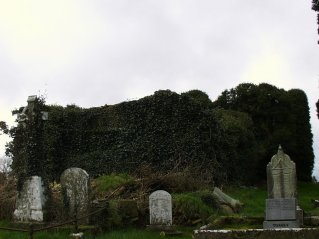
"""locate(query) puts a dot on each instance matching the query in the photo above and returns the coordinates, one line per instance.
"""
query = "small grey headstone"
(75, 187)
(31, 200)
(160, 203)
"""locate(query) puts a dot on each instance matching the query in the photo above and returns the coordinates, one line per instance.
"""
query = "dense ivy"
(229, 140)
(166, 129)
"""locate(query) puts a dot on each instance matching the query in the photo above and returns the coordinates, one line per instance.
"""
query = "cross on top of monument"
(28, 111)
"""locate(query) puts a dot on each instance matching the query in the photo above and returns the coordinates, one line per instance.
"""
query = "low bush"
(188, 208)
(7, 197)
(177, 182)
(55, 208)
(107, 183)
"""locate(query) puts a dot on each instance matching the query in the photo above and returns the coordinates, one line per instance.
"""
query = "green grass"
(118, 234)
(306, 193)
(190, 206)
(254, 206)
(130, 233)
(37, 235)
(254, 198)
(138, 234)
(110, 182)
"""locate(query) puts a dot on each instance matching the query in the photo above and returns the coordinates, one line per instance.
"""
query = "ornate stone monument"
(75, 188)
(30, 201)
(281, 176)
(160, 208)
(281, 205)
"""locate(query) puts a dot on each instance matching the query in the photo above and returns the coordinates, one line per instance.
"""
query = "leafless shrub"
(7, 196)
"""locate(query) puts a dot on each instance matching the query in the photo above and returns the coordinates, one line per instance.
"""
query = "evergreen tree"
(279, 117)
(302, 151)
(315, 7)
(239, 146)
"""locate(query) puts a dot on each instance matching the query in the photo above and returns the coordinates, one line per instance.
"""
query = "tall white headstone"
(30, 201)
(160, 203)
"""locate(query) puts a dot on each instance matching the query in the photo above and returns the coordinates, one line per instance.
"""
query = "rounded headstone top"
(75, 170)
(160, 194)
(73, 173)
(35, 177)
(160, 203)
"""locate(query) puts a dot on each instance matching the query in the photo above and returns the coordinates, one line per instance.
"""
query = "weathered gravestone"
(160, 203)
(30, 201)
(75, 189)
(281, 205)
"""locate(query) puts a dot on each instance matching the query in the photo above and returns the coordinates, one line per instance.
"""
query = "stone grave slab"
(160, 203)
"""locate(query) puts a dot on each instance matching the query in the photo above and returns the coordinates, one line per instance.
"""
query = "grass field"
(252, 197)
(118, 234)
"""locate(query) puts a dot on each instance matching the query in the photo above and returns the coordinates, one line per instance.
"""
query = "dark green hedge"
(279, 117)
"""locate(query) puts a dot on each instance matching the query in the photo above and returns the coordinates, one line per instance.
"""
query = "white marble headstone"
(30, 201)
(160, 203)
(75, 186)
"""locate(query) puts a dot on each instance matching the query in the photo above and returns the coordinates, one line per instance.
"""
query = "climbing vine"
(166, 130)
(228, 140)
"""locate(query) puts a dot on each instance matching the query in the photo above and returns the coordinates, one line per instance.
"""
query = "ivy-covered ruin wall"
(228, 140)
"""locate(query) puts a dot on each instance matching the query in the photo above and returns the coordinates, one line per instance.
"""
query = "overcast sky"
(96, 52)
